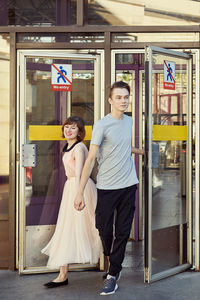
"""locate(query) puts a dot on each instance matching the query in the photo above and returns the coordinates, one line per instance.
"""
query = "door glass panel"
(169, 151)
(127, 68)
(44, 183)
(5, 126)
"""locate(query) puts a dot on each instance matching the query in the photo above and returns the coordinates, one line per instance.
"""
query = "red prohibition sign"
(169, 71)
(61, 74)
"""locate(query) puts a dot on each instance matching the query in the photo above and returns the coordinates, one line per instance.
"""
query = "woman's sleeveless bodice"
(69, 160)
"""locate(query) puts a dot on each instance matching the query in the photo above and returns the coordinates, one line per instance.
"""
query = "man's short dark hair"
(119, 85)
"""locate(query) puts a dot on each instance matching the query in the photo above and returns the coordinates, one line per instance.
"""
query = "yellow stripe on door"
(169, 133)
(52, 133)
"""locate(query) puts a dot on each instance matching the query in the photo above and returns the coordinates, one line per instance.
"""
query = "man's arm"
(87, 169)
(137, 151)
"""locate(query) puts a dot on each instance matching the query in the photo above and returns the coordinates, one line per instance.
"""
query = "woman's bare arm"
(87, 169)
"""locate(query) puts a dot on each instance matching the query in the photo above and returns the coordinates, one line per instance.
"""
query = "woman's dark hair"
(80, 124)
(120, 85)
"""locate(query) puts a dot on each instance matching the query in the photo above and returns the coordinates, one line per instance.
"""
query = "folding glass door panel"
(168, 163)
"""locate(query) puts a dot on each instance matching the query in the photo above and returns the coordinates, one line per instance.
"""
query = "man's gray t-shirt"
(116, 166)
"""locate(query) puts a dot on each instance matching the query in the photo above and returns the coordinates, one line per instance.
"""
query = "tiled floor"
(86, 285)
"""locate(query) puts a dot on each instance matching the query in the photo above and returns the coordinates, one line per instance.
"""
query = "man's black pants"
(123, 201)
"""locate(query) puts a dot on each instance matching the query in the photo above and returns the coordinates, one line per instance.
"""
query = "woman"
(75, 240)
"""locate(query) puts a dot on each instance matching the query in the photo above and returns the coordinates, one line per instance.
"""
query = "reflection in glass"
(38, 13)
(128, 67)
(4, 124)
(142, 37)
(169, 224)
(60, 37)
(44, 183)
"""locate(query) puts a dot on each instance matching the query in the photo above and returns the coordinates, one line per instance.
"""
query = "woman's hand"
(79, 202)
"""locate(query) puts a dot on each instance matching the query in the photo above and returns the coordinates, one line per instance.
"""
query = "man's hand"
(137, 151)
(141, 151)
(79, 202)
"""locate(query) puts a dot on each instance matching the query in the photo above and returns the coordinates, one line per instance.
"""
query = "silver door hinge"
(146, 274)
(147, 53)
(18, 156)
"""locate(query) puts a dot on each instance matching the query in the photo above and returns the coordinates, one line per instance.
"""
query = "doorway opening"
(168, 207)
(41, 113)
(40, 187)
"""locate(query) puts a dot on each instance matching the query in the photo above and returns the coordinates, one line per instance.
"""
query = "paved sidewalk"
(86, 285)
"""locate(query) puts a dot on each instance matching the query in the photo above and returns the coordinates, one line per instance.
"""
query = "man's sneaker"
(105, 275)
(110, 286)
(117, 276)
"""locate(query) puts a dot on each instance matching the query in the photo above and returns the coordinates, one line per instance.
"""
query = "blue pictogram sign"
(60, 76)
(169, 75)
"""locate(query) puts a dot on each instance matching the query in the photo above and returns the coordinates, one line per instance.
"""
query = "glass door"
(127, 65)
(41, 112)
(168, 163)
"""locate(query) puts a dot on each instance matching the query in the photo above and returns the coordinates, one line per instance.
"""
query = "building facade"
(103, 41)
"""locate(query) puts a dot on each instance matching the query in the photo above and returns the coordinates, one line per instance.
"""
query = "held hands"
(79, 202)
(141, 152)
(137, 151)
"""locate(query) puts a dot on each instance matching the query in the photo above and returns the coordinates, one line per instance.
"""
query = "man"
(116, 181)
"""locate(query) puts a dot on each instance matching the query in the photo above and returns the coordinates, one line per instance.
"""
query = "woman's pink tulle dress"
(75, 240)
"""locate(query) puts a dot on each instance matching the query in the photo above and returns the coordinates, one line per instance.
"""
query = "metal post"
(189, 186)
(107, 70)
(12, 167)
(80, 12)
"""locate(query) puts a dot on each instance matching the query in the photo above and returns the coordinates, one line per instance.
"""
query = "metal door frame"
(98, 58)
(148, 277)
(197, 166)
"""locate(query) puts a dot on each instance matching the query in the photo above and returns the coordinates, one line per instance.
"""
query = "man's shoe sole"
(105, 294)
